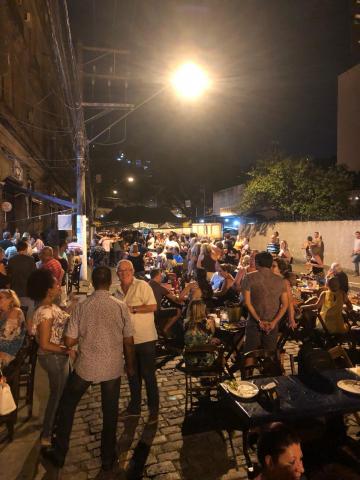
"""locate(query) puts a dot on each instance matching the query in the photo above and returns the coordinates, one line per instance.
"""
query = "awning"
(41, 196)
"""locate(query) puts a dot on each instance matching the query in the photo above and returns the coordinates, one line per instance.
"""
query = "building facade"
(226, 201)
(36, 134)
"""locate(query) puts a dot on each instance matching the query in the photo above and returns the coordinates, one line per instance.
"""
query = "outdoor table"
(297, 402)
(232, 338)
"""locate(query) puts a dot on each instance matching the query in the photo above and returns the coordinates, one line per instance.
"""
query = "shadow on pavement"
(137, 463)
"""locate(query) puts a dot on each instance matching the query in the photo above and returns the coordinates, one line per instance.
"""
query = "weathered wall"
(338, 237)
(227, 200)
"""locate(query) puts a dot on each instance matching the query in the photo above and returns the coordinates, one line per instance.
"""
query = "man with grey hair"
(140, 299)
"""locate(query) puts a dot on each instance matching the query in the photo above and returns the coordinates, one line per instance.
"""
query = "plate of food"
(241, 388)
(350, 386)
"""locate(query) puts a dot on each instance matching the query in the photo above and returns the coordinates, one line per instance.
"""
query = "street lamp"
(115, 192)
(130, 179)
(190, 81)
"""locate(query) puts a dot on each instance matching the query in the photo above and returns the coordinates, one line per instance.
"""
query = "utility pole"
(81, 231)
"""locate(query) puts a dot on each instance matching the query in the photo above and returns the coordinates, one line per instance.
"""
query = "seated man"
(166, 317)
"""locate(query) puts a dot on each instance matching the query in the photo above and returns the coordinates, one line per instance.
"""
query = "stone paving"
(179, 447)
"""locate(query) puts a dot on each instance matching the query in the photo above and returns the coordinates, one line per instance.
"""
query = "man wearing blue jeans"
(102, 327)
(140, 299)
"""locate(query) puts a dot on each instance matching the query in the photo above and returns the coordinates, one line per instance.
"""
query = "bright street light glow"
(130, 179)
(190, 80)
(115, 192)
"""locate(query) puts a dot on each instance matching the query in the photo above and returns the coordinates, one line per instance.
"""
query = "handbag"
(7, 404)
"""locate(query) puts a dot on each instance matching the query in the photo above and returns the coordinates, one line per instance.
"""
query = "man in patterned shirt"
(102, 328)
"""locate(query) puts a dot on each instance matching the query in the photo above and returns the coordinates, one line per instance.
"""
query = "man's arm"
(250, 307)
(143, 308)
(174, 299)
(129, 354)
(284, 303)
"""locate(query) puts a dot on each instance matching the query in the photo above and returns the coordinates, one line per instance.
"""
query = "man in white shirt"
(356, 253)
(140, 299)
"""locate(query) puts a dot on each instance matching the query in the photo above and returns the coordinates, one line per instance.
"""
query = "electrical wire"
(39, 216)
(38, 127)
(147, 100)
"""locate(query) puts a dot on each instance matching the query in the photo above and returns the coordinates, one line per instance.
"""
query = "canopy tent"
(128, 215)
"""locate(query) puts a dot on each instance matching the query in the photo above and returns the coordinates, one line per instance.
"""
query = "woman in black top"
(137, 259)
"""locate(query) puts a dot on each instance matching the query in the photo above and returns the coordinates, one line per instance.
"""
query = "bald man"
(48, 262)
(140, 299)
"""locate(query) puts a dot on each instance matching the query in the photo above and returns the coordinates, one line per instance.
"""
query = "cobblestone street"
(178, 447)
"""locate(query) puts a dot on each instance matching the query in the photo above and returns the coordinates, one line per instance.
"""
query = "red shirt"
(55, 268)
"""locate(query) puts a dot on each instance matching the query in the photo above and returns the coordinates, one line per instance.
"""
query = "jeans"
(56, 366)
(74, 390)
(145, 355)
(356, 262)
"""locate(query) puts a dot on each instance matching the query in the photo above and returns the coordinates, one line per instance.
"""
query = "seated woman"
(227, 292)
(12, 326)
(316, 264)
(279, 454)
(4, 279)
(330, 304)
(336, 271)
(285, 252)
(199, 331)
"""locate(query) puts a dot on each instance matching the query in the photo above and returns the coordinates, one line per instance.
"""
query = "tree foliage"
(297, 189)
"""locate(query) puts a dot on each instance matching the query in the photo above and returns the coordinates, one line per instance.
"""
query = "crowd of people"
(167, 283)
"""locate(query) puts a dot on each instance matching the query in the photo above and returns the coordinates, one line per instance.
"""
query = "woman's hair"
(134, 248)
(38, 284)
(286, 246)
(274, 441)
(7, 293)
(283, 265)
(205, 249)
(245, 260)
(2, 251)
(334, 284)
(197, 311)
(226, 267)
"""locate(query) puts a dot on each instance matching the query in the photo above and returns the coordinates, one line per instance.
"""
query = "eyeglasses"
(125, 270)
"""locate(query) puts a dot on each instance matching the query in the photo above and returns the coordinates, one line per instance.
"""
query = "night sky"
(274, 65)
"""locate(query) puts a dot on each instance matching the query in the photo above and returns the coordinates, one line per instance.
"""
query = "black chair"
(207, 376)
(21, 373)
(260, 363)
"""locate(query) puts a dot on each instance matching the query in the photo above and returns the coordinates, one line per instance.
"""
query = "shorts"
(255, 338)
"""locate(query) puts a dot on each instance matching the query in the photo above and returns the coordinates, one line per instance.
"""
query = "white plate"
(351, 386)
(243, 389)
